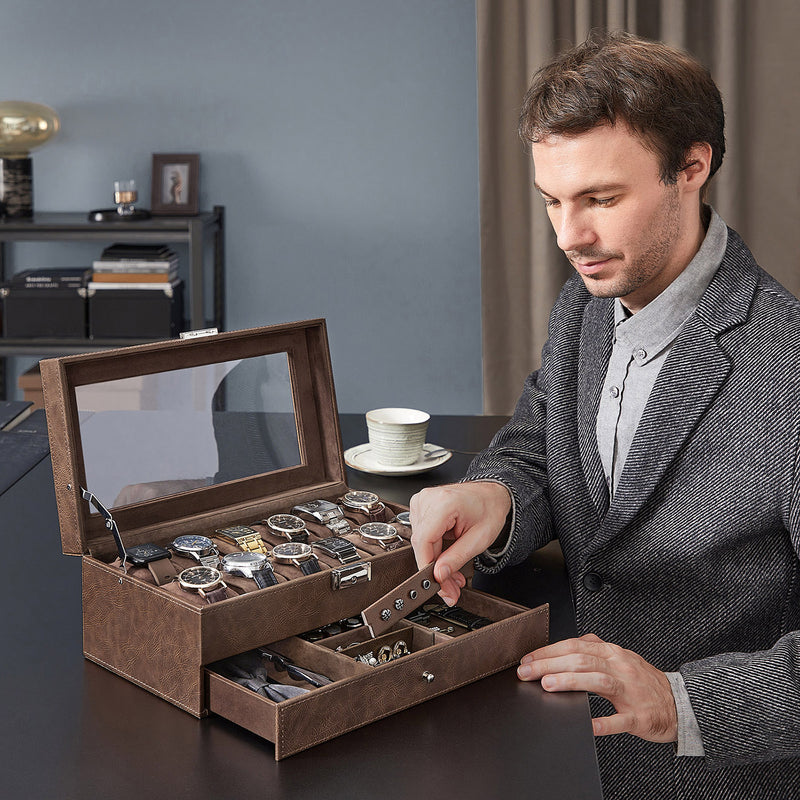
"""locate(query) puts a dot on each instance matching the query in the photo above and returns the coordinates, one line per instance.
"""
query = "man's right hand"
(474, 513)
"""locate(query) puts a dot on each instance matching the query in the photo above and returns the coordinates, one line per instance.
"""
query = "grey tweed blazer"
(694, 563)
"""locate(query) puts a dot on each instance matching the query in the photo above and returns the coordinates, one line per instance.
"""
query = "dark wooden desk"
(73, 730)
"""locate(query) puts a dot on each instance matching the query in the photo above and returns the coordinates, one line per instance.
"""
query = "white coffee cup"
(397, 435)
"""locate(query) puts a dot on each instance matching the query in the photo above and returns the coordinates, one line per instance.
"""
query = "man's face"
(625, 232)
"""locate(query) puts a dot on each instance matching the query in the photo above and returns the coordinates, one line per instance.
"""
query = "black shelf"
(195, 231)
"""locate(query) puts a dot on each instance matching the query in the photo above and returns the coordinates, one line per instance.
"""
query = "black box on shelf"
(149, 311)
(37, 312)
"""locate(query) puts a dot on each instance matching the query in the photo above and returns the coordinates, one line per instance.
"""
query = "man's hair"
(663, 94)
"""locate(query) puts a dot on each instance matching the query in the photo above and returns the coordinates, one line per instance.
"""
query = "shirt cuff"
(690, 741)
(498, 549)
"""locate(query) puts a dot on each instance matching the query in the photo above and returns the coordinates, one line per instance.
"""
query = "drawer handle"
(429, 676)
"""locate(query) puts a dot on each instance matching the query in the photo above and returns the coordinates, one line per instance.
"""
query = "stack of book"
(134, 266)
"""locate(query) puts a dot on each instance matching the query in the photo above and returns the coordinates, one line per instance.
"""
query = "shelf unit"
(195, 231)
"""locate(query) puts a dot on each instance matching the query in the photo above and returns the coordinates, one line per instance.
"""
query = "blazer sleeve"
(516, 458)
(748, 704)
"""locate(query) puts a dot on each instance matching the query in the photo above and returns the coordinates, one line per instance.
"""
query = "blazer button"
(593, 581)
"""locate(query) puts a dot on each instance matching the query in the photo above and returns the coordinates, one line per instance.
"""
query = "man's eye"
(603, 201)
(549, 202)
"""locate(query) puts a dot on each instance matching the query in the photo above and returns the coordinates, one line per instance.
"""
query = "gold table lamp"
(23, 127)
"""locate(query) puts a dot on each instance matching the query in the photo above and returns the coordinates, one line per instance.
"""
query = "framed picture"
(175, 185)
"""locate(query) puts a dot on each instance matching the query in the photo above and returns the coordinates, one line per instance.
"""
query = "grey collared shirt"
(641, 344)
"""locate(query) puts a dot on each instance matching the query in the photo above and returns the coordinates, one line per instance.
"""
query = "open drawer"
(435, 663)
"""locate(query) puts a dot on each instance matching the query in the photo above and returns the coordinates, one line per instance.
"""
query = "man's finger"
(616, 723)
(567, 647)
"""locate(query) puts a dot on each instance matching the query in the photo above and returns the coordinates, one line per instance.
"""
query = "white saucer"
(362, 459)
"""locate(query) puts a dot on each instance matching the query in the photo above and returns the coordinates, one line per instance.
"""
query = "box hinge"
(351, 574)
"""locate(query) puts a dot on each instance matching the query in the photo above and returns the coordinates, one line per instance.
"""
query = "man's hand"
(474, 513)
(640, 693)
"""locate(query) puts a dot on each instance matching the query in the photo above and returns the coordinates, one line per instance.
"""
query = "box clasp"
(351, 574)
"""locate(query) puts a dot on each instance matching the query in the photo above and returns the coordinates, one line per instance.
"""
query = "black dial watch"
(289, 526)
(199, 548)
(298, 554)
(206, 581)
(338, 548)
(382, 534)
(365, 503)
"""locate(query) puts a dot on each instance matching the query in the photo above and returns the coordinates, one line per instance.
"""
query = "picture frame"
(175, 184)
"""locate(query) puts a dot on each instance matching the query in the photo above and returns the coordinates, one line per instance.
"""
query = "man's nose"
(573, 231)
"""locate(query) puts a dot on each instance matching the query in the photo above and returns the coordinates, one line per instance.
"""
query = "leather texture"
(694, 563)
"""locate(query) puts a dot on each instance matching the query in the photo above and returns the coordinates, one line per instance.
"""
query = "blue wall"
(341, 135)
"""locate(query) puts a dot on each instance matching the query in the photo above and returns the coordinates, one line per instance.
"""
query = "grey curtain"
(751, 48)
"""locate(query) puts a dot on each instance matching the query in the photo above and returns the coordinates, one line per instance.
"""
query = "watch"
(404, 518)
(298, 554)
(288, 525)
(199, 548)
(206, 581)
(244, 538)
(338, 548)
(329, 514)
(255, 566)
(366, 503)
(382, 534)
(156, 559)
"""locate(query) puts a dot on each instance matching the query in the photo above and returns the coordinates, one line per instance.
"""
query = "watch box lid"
(209, 428)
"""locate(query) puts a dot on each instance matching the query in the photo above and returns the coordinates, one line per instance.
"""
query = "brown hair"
(667, 97)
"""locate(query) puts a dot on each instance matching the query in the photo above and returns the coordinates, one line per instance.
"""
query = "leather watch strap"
(265, 577)
(163, 571)
(215, 595)
(310, 566)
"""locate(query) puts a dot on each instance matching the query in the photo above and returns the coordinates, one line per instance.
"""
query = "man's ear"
(696, 167)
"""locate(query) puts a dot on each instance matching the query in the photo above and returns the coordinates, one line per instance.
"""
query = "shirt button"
(593, 581)
(641, 353)
(614, 391)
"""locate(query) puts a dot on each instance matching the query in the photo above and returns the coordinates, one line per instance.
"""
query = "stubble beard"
(647, 265)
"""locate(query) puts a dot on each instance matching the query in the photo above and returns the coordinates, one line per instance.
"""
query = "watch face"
(288, 523)
(378, 531)
(359, 498)
(199, 577)
(145, 553)
(236, 530)
(193, 543)
(404, 518)
(292, 550)
(244, 560)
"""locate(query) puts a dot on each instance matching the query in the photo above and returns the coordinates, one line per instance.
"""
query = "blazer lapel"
(695, 371)
(595, 351)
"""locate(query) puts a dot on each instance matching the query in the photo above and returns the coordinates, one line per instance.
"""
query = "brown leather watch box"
(211, 436)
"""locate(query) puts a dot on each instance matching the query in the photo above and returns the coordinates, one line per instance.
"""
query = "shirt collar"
(656, 325)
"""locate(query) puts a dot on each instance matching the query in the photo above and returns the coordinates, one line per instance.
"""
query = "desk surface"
(74, 730)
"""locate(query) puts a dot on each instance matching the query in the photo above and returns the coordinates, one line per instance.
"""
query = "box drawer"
(359, 693)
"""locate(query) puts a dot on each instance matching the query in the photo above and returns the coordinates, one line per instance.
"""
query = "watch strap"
(310, 566)
(265, 577)
(215, 595)
(163, 571)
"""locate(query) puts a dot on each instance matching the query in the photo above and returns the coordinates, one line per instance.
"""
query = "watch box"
(211, 437)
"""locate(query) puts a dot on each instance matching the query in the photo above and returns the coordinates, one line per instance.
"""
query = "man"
(658, 442)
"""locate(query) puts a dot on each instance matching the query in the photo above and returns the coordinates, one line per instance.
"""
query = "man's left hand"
(640, 693)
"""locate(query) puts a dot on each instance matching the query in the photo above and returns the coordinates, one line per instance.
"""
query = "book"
(140, 251)
(134, 277)
(100, 285)
(12, 412)
(134, 265)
